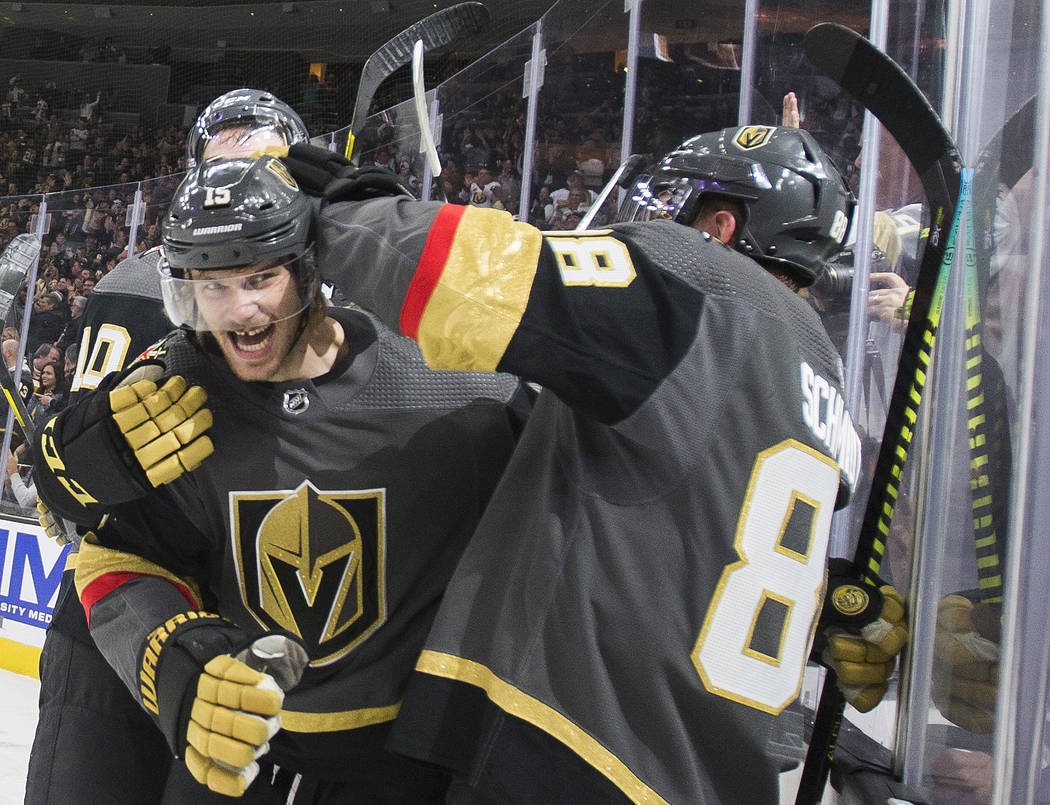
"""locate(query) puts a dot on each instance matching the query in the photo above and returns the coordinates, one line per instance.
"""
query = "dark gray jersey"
(333, 508)
(634, 613)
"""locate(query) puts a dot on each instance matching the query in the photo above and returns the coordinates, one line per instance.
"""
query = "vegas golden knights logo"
(313, 563)
(753, 136)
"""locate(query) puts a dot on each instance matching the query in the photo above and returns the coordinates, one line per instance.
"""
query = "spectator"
(485, 190)
(75, 326)
(43, 354)
(60, 245)
(88, 107)
(47, 320)
(24, 493)
(473, 149)
(509, 181)
(50, 395)
(576, 203)
(542, 212)
(70, 364)
(78, 135)
(409, 179)
(575, 181)
(9, 349)
(591, 162)
(466, 192)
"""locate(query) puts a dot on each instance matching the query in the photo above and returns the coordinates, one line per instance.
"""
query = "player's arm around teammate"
(677, 374)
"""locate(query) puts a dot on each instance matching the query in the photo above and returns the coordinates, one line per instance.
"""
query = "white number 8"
(756, 636)
(600, 261)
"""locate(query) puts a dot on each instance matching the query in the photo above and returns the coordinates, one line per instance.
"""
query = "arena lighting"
(379, 6)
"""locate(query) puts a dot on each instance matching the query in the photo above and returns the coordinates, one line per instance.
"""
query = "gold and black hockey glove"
(966, 662)
(53, 527)
(329, 176)
(862, 630)
(216, 694)
(163, 425)
(139, 429)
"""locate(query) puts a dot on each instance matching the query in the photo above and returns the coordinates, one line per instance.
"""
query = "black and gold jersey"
(334, 509)
(124, 315)
(632, 618)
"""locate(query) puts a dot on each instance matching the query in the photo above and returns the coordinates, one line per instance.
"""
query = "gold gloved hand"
(165, 427)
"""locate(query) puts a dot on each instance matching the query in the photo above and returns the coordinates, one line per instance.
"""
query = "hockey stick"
(436, 30)
(978, 391)
(624, 176)
(15, 263)
(1002, 163)
(419, 98)
(884, 89)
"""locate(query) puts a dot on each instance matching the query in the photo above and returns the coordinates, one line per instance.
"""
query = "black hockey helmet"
(230, 214)
(797, 207)
(254, 108)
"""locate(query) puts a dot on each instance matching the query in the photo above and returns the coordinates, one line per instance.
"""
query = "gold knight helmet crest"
(750, 137)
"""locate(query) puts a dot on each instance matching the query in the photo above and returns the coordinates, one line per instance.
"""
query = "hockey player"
(82, 702)
(315, 540)
(637, 605)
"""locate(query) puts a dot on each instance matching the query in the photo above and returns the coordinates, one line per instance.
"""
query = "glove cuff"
(86, 460)
(172, 657)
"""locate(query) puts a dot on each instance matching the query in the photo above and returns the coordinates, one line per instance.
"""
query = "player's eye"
(263, 279)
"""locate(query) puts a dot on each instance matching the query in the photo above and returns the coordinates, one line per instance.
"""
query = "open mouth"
(253, 340)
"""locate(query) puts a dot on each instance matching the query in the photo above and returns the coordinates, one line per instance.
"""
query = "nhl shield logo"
(313, 563)
(296, 401)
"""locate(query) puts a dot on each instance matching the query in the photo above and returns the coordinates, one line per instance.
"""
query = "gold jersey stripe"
(523, 706)
(333, 722)
(477, 303)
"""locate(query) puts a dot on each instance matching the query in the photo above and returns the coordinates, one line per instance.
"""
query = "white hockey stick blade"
(419, 97)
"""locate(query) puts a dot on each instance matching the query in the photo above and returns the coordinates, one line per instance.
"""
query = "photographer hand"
(888, 293)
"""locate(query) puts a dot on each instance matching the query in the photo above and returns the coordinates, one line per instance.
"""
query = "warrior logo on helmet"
(312, 563)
